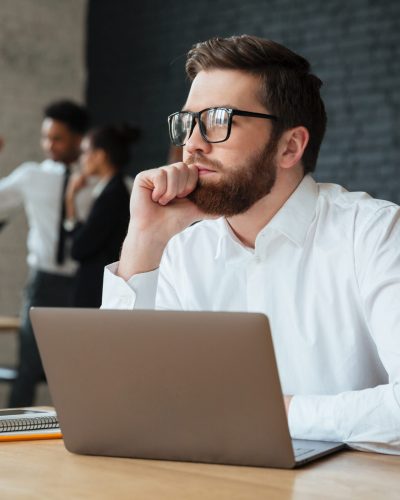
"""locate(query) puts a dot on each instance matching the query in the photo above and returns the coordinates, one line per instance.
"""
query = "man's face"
(234, 174)
(59, 142)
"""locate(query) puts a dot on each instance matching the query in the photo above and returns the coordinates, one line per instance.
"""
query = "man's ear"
(292, 145)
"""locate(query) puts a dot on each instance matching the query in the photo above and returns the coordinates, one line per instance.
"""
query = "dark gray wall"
(136, 55)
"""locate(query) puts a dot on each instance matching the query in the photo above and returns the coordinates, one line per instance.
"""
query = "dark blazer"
(97, 242)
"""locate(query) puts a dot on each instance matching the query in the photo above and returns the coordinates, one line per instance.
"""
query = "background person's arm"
(11, 189)
(75, 184)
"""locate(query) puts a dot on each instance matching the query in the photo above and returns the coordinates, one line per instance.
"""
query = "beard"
(239, 187)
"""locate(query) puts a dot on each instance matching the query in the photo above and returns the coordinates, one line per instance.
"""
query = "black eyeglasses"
(214, 123)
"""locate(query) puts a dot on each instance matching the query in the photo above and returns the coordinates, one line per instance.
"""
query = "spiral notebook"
(21, 424)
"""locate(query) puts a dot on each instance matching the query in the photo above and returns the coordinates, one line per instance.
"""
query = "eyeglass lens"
(181, 124)
(214, 125)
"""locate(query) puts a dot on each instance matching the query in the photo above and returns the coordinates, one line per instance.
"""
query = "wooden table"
(44, 469)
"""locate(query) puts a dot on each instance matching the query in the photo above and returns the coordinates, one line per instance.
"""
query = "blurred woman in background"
(97, 241)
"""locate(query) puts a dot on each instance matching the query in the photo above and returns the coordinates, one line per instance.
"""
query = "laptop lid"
(191, 386)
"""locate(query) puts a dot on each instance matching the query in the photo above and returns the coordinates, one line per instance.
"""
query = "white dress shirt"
(39, 187)
(326, 271)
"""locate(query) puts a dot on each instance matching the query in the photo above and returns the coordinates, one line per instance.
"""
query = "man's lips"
(204, 170)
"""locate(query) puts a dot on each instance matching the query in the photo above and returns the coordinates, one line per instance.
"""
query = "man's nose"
(196, 142)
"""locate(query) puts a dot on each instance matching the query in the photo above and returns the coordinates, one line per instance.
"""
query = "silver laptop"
(167, 385)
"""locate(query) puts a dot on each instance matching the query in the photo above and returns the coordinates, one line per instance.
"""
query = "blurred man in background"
(40, 188)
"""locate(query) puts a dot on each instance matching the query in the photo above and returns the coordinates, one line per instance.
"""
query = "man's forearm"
(159, 210)
(141, 253)
(368, 419)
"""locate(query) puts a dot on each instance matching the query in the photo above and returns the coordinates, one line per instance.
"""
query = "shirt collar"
(229, 244)
(100, 186)
(293, 219)
(295, 216)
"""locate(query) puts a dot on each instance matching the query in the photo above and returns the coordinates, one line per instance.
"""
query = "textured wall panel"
(136, 56)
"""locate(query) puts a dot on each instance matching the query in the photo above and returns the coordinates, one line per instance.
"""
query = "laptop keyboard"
(298, 452)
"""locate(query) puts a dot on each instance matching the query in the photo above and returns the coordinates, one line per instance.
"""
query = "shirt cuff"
(312, 417)
(139, 292)
(69, 225)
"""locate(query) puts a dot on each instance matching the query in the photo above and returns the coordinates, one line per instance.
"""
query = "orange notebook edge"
(30, 437)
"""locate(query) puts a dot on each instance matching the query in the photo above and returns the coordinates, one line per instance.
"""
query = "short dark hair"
(288, 88)
(115, 141)
(74, 115)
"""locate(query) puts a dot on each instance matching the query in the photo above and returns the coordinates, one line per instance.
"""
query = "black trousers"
(42, 290)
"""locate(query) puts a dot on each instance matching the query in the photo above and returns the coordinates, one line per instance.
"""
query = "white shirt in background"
(38, 187)
(326, 272)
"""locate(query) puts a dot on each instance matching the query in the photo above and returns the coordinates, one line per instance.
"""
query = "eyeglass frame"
(196, 118)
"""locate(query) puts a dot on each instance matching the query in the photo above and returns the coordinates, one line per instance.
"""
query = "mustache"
(205, 162)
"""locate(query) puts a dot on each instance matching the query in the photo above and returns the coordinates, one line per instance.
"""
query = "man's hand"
(287, 400)
(159, 210)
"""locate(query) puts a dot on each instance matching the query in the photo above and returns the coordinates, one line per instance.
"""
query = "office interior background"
(125, 59)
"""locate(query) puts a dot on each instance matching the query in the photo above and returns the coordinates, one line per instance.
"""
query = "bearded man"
(322, 263)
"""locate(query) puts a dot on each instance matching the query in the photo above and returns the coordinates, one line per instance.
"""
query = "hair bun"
(115, 140)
